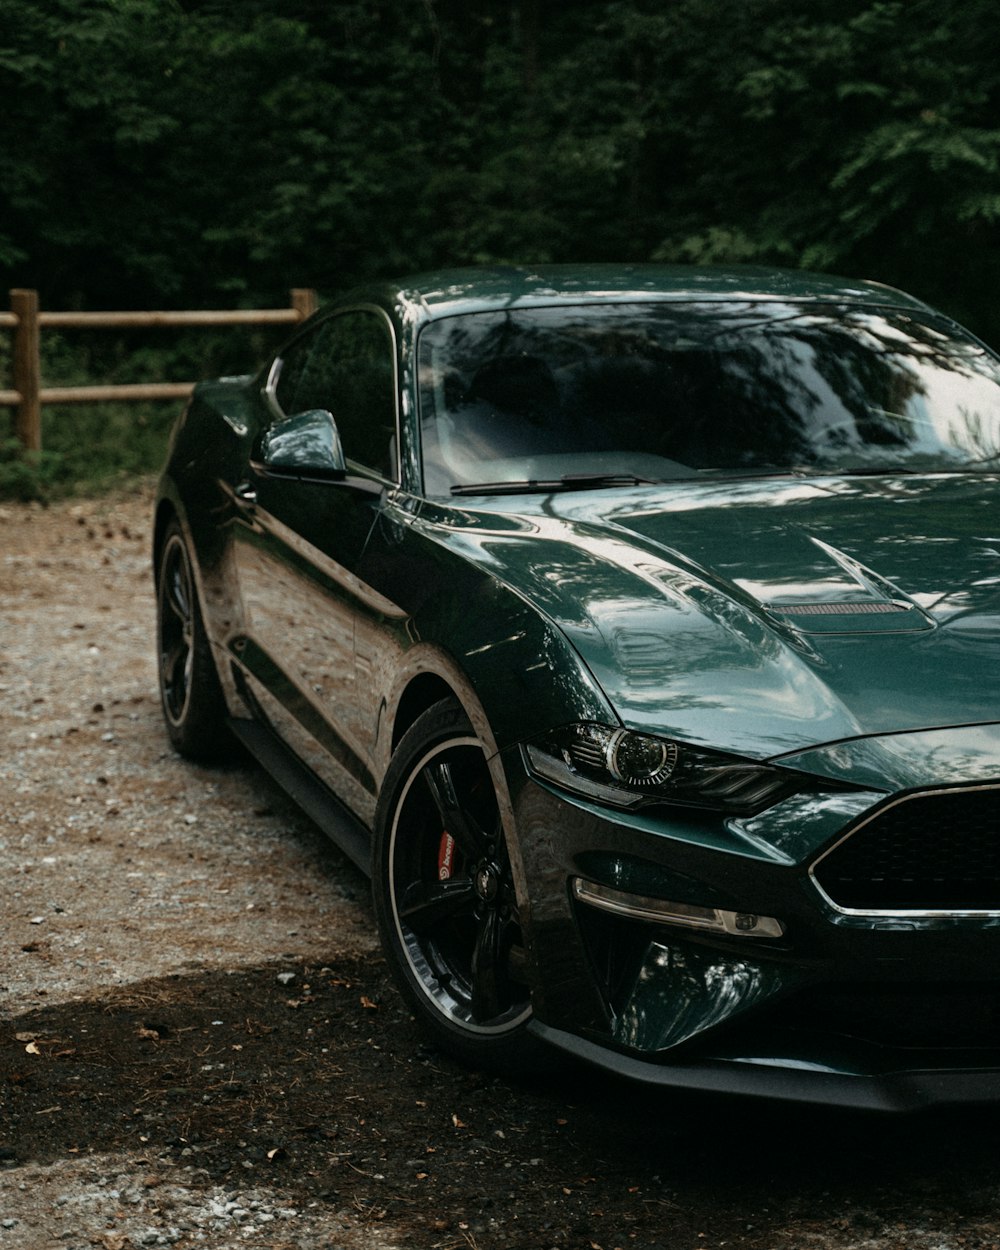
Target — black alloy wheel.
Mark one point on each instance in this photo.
(193, 704)
(444, 894)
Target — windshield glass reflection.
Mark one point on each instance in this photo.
(664, 391)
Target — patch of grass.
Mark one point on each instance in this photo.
(101, 446)
(27, 475)
(87, 450)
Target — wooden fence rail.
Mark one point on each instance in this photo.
(26, 322)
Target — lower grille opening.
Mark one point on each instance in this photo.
(902, 1017)
(927, 852)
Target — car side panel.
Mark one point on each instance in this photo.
(207, 458)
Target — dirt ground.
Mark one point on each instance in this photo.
(199, 1046)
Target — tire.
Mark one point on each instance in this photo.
(444, 896)
(193, 704)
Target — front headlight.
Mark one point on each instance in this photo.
(629, 770)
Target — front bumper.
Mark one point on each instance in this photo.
(877, 1012)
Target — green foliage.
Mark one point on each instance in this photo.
(87, 448)
(98, 446)
(862, 138)
(196, 152)
(185, 151)
(27, 475)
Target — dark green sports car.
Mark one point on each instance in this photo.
(638, 630)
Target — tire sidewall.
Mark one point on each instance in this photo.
(199, 731)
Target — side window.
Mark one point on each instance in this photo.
(349, 371)
(293, 362)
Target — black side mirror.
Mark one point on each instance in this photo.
(306, 445)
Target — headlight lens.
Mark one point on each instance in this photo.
(639, 760)
(629, 770)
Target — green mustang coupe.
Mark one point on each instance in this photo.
(637, 629)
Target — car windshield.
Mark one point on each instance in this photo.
(613, 393)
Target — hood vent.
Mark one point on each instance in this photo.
(865, 616)
(840, 609)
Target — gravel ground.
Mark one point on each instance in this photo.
(123, 863)
(187, 868)
(199, 1046)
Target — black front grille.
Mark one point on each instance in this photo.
(928, 1016)
(927, 852)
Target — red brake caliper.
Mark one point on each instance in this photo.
(446, 854)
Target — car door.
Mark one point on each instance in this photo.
(299, 542)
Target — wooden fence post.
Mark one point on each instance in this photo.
(303, 300)
(27, 369)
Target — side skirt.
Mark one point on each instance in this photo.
(318, 803)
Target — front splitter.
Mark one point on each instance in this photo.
(787, 1081)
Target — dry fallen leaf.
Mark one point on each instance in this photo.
(32, 1049)
(458, 1123)
(367, 1003)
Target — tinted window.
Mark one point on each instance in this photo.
(293, 361)
(670, 390)
(346, 367)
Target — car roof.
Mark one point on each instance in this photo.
(446, 292)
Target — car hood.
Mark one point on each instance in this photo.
(765, 616)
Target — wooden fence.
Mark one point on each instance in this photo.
(26, 322)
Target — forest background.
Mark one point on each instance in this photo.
(215, 153)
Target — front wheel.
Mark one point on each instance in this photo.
(444, 894)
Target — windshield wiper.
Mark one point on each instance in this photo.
(877, 470)
(930, 470)
(568, 481)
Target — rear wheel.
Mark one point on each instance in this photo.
(193, 704)
(444, 894)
